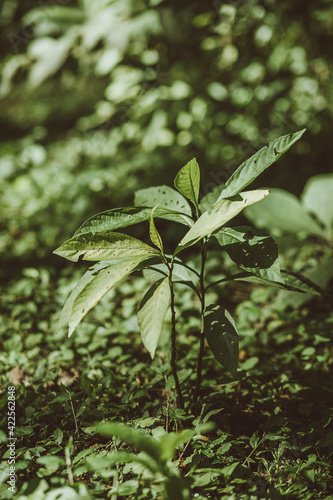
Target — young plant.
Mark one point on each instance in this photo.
(118, 254)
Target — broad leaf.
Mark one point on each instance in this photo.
(104, 246)
(84, 281)
(92, 287)
(187, 181)
(317, 197)
(153, 233)
(152, 311)
(254, 166)
(222, 212)
(114, 219)
(283, 211)
(222, 337)
(251, 252)
(175, 206)
(127, 216)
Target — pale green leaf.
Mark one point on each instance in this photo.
(84, 281)
(187, 181)
(222, 337)
(133, 437)
(283, 211)
(153, 233)
(103, 246)
(222, 212)
(152, 311)
(175, 206)
(251, 252)
(317, 198)
(254, 166)
(172, 440)
(106, 279)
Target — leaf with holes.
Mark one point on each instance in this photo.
(104, 246)
(187, 181)
(251, 252)
(114, 219)
(222, 212)
(152, 311)
(222, 337)
(254, 166)
(171, 205)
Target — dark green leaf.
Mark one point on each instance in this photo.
(222, 337)
(251, 252)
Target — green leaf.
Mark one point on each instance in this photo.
(317, 198)
(104, 246)
(222, 211)
(292, 219)
(153, 233)
(222, 337)
(175, 206)
(134, 437)
(171, 441)
(84, 281)
(294, 282)
(210, 198)
(251, 252)
(98, 462)
(254, 166)
(84, 298)
(114, 219)
(152, 311)
(187, 181)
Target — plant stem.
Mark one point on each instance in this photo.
(202, 333)
(173, 341)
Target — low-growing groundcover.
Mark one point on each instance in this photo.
(265, 434)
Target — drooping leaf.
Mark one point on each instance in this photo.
(317, 198)
(254, 166)
(152, 311)
(320, 275)
(175, 206)
(222, 337)
(222, 212)
(104, 246)
(84, 281)
(187, 181)
(153, 233)
(294, 282)
(83, 299)
(251, 252)
(282, 210)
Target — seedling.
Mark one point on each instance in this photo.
(119, 254)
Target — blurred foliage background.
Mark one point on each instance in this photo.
(103, 97)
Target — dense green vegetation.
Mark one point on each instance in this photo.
(99, 99)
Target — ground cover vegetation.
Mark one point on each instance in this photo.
(100, 99)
